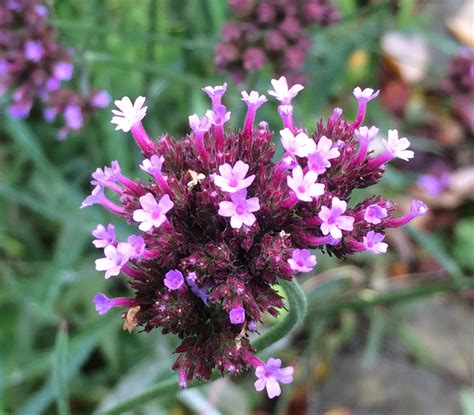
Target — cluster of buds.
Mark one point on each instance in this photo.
(220, 222)
(460, 86)
(270, 31)
(33, 66)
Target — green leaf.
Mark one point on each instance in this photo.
(60, 378)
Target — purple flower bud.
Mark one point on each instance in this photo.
(73, 117)
(100, 99)
(33, 50)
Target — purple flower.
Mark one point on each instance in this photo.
(218, 115)
(19, 109)
(270, 375)
(397, 147)
(41, 10)
(128, 114)
(254, 59)
(237, 315)
(373, 242)
(53, 84)
(366, 134)
(100, 99)
(49, 114)
(105, 236)
(96, 197)
(73, 117)
(374, 214)
(216, 93)
(302, 261)
(281, 91)
(418, 208)
(153, 165)
(174, 280)
(137, 244)
(254, 99)
(232, 179)
(115, 259)
(366, 95)
(63, 71)
(33, 50)
(333, 220)
(300, 145)
(199, 125)
(240, 209)
(152, 214)
(319, 159)
(102, 303)
(305, 186)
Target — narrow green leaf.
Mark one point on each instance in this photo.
(60, 378)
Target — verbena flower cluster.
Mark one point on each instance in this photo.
(33, 66)
(220, 222)
(460, 86)
(270, 31)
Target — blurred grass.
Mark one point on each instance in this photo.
(57, 355)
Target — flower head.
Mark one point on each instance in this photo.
(373, 242)
(282, 92)
(240, 209)
(366, 95)
(153, 213)
(302, 261)
(397, 147)
(174, 279)
(270, 375)
(304, 185)
(128, 114)
(237, 315)
(232, 179)
(333, 220)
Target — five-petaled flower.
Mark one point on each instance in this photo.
(152, 214)
(115, 259)
(374, 214)
(232, 179)
(300, 145)
(128, 114)
(302, 260)
(318, 160)
(333, 220)
(397, 147)
(281, 91)
(270, 375)
(304, 185)
(365, 95)
(239, 209)
(254, 99)
(105, 236)
(373, 242)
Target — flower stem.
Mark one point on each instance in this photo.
(297, 308)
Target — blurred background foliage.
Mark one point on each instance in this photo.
(373, 343)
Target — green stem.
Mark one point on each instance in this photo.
(297, 308)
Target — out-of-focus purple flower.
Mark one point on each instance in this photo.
(174, 279)
(101, 99)
(270, 375)
(254, 59)
(73, 117)
(63, 71)
(33, 50)
(19, 109)
(302, 261)
(237, 315)
(49, 114)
